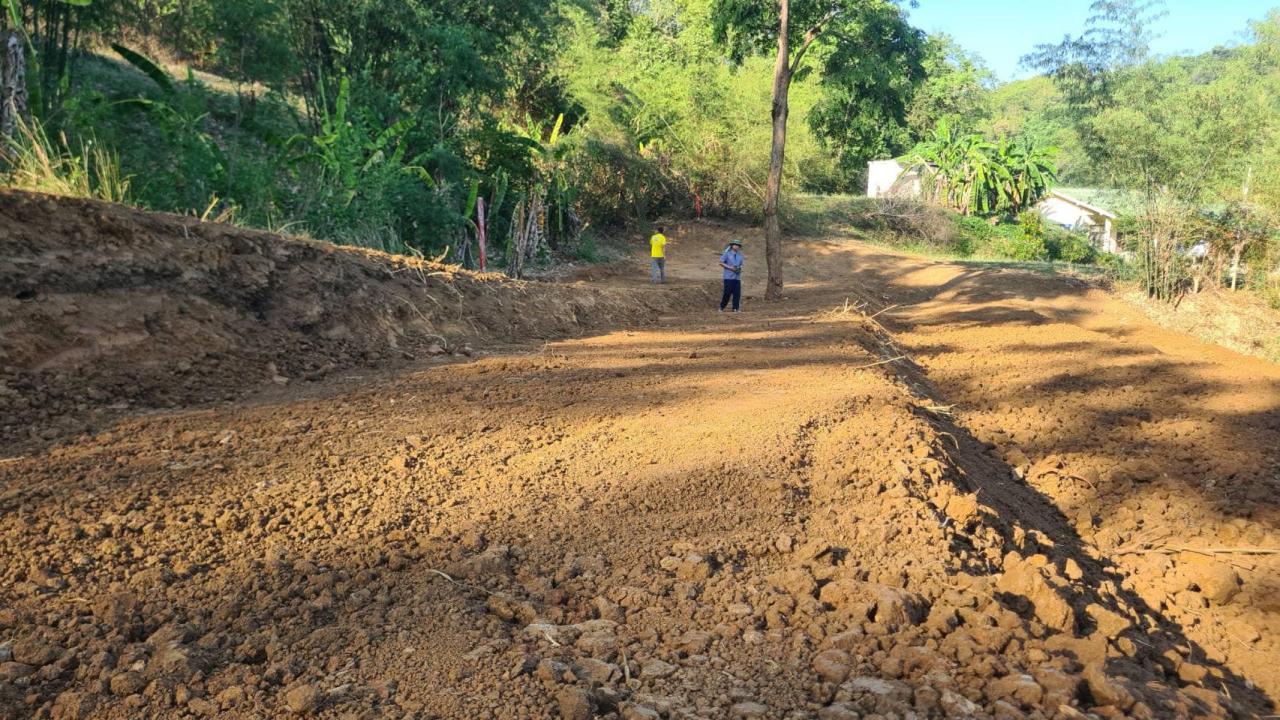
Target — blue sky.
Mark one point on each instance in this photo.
(1002, 31)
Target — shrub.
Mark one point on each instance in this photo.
(977, 235)
(1128, 229)
(586, 249)
(616, 185)
(31, 160)
(1031, 222)
(1111, 261)
(932, 227)
(1016, 244)
(1024, 248)
(1271, 292)
(1069, 246)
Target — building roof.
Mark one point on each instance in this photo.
(1106, 201)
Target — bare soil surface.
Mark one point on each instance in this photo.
(1004, 497)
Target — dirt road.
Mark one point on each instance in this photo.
(747, 516)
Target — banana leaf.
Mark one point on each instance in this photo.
(146, 65)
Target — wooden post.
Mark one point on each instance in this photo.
(482, 235)
(13, 83)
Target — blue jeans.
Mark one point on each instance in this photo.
(732, 289)
(658, 270)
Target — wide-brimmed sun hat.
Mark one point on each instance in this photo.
(735, 242)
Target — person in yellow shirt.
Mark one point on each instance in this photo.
(658, 253)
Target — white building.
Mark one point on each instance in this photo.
(1071, 213)
(891, 179)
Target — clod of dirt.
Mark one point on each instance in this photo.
(575, 704)
(1030, 586)
(303, 700)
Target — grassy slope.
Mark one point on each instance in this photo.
(170, 155)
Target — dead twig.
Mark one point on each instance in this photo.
(882, 362)
(847, 309)
(465, 586)
(881, 311)
(1081, 479)
(1133, 549)
(626, 670)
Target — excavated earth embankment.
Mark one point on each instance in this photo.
(104, 309)
(766, 515)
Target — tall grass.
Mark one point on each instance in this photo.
(31, 160)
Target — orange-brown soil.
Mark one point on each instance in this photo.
(1003, 496)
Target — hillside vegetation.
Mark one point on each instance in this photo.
(532, 128)
(380, 124)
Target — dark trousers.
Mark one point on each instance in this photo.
(732, 289)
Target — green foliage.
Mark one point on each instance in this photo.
(1031, 223)
(1118, 36)
(867, 57)
(54, 31)
(979, 236)
(956, 89)
(665, 120)
(31, 160)
(1072, 247)
(146, 65)
(1271, 293)
(1016, 244)
(358, 188)
(1114, 263)
(1178, 131)
(586, 249)
(253, 41)
(193, 171)
(976, 176)
(870, 72)
(1035, 110)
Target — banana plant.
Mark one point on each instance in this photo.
(346, 150)
(179, 113)
(56, 46)
(1031, 171)
(976, 176)
(556, 194)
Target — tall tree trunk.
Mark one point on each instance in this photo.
(13, 84)
(1236, 251)
(1241, 239)
(773, 188)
